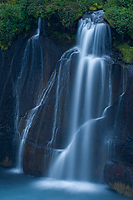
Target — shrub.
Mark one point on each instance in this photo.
(127, 52)
(13, 19)
(120, 16)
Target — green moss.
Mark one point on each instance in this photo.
(100, 7)
(127, 52)
(5, 46)
(92, 8)
(130, 33)
(67, 11)
(96, 6)
(58, 33)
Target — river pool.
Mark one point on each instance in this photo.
(16, 186)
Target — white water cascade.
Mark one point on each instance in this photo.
(91, 96)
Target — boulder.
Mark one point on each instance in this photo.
(119, 176)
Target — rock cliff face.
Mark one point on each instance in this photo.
(118, 172)
(8, 74)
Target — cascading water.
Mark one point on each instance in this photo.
(86, 100)
(62, 85)
(111, 138)
(90, 98)
(29, 91)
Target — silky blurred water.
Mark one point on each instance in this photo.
(16, 186)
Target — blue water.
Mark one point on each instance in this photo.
(14, 186)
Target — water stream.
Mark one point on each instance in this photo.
(21, 187)
(29, 89)
(91, 96)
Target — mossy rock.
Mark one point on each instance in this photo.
(100, 7)
(5, 46)
(127, 52)
(92, 8)
(59, 34)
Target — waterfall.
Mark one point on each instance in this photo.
(90, 97)
(38, 29)
(62, 85)
(111, 138)
(29, 90)
(86, 98)
(31, 116)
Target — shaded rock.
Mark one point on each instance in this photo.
(118, 81)
(119, 176)
(36, 158)
(9, 69)
(119, 119)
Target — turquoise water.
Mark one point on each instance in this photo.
(14, 186)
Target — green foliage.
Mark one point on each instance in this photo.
(92, 8)
(13, 19)
(72, 12)
(17, 16)
(119, 14)
(66, 11)
(3, 1)
(95, 5)
(127, 52)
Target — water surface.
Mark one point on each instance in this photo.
(16, 186)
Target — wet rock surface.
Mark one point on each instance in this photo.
(10, 70)
(119, 176)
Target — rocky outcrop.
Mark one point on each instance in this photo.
(8, 73)
(11, 63)
(118, 174)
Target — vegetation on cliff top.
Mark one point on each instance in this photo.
(119, 14)
(18, 15)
